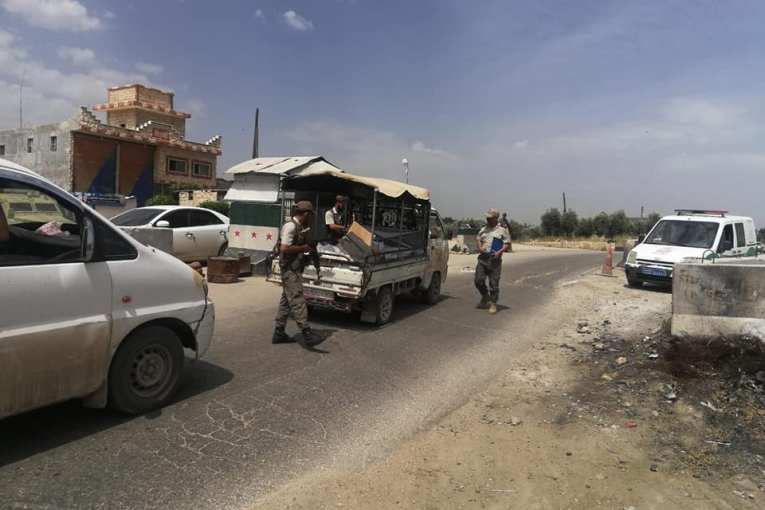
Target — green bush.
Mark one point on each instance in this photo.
(162, 200)
(220, 207)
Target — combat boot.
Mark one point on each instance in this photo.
(309, 338)
(280, 336)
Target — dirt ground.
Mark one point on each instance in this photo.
(609, 412)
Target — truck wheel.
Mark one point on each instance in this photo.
(384, 305)
(433, 294)
(146, 370)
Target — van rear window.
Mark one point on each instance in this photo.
(691, 234)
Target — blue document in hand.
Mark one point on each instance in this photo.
(497, 244)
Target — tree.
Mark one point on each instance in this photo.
(601, 224)
(221, 207)
(551, 222)
(162, 200)
(533, 232)
(585, 227)
(517, 230)
(618, 223)
(568, 222)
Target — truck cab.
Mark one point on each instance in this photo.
(689, 235)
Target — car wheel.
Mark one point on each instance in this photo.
(223, 249)
(433, 294)
(145, 372)
(384, 304)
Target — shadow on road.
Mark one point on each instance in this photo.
(406, 306)
(47, 428)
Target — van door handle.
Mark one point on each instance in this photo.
(222, 232)
(190, 235)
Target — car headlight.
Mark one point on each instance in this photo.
(632, 258)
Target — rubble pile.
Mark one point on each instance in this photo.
(702, 402)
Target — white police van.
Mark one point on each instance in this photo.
(689, 235)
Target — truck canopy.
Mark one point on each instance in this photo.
(336, 181)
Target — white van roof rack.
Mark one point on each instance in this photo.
(700, 212)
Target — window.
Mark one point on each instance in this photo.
(201, 169)
(692, 234)
(436, 229)
(30, 143)
(177, 219)
(726, 241)
(137, 217)
(36, 228)
(177, 166)
(110, 245)
(740, 236)
(53, 143)
(2, 150)
(200, 218)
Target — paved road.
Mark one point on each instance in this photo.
(253, 415)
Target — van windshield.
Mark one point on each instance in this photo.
(692, 234)
(137, 217)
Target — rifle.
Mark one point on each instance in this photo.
(316, 258)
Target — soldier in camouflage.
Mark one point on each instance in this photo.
(293, 247)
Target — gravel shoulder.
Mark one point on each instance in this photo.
(605, 412)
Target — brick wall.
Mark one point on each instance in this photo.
(123, 94)
(178, 124)
(155, 96)
(93, 160)
(160, 166)
(120, 117)
(135, 159)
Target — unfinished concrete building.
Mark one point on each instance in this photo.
(140, 150)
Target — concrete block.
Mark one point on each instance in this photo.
(722, 299)
(160, 238)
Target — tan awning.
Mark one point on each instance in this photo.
(390, 188)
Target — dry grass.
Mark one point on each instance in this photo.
(579, 243)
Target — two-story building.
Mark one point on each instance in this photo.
(140, 150)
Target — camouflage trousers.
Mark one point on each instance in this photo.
(292, 301)
(491, 270)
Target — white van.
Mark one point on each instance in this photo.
(85, 310)
(689, 235)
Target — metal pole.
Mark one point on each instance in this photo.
(401, 223)
(256, 135)
(405, 164)
(374, 213)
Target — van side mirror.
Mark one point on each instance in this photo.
(89, 236)
(162, 224)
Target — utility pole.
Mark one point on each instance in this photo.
(642, 209)
(405, 164)
(256, 135)
(21, 99)
(564, 201)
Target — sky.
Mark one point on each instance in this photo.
(495, 103)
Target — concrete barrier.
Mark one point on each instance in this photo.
(722, 299)
(159, 238)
